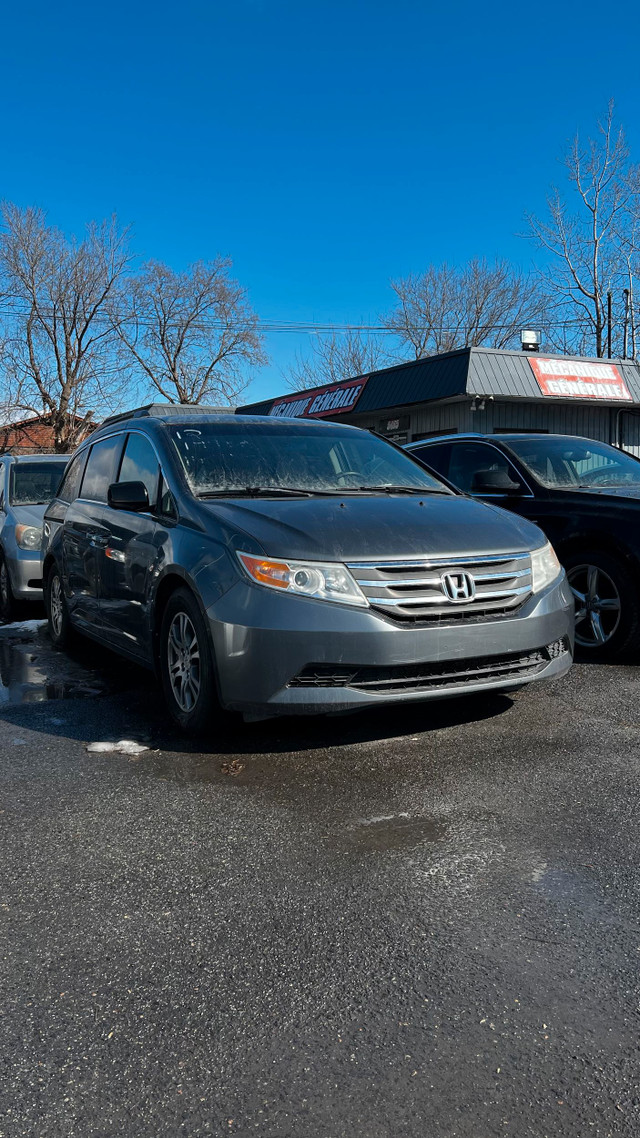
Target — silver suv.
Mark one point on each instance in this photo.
(27, 485)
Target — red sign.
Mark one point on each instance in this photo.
(578, 380)
(335, 399)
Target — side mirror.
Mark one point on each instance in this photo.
(128, 496)
(494, 482)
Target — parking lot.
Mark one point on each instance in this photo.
(412, 921)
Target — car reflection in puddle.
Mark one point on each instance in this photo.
(33, 671)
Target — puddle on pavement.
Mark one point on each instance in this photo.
(395, 832)
(33, 671)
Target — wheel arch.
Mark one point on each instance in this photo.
(173, 579)
(597, 541)
(46, 566)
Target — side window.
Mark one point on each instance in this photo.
(2, 474)
(436, 456)
(101, 468)
(166, 505)
(70, 485)
(467, 459)
(141, 465)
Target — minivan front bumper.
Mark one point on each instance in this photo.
(282, 654)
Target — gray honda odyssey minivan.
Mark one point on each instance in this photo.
(284, 565)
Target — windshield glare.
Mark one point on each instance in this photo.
(35, 483)
(576, 463)
(221, 458)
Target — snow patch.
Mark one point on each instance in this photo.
(122, 747)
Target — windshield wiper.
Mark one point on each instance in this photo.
(269, 491)
(390, 489)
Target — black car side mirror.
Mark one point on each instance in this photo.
(494, 482)
(128, 496)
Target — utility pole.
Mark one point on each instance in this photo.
(625, 293)
(609, 325)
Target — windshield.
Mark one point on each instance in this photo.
(260, 457)
(35, 483)
(576, 463)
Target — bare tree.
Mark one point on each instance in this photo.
(445, 308)
(591, 239)
(337, 356)
(192, 333)
(56, 347)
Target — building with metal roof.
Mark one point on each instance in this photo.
(481, 389)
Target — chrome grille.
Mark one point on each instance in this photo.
(420, 589)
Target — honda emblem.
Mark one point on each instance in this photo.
(458, 587)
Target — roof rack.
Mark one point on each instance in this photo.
(167, 410)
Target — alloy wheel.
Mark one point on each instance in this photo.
(598, 605)
(56, 609)
(183, 660)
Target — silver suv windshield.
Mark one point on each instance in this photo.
(576, 463)
(35, 483)
(255, 458)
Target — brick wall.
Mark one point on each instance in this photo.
(31, 436)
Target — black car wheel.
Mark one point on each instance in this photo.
(55, 604)
(607, 604)
(7, 599)
(186, 665)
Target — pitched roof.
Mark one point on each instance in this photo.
(467, 371)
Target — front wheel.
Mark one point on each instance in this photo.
(607, 604)
(7, 599)
(186, 665)
(55, 604)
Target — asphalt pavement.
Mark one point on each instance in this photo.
(420, 922)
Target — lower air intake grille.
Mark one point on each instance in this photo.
(424, 677)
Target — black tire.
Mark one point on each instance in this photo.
(187, 669)
(55, 604)
(7, 599)
(607, 594)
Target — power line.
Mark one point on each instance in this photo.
(311, 327)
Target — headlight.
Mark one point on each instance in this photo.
(545, 567)
(325, 582)
(28, 537)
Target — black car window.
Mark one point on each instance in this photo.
(436, 456)
(70, 485)
(468, 459)
(572, 462)
(140, 464)
(35, 483)
(101, 468)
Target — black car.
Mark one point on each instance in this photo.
(585, 495)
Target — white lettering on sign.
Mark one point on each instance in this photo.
(333, 400)
(576, 379)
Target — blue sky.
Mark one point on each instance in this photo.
(325, 147)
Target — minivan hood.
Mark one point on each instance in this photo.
(356, 528)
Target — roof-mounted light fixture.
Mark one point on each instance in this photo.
(530, 340)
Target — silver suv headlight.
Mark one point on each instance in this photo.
(318, 579)
(28, 537)
(545, 567)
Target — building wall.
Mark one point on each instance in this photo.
(606, 424)
(32, 436)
